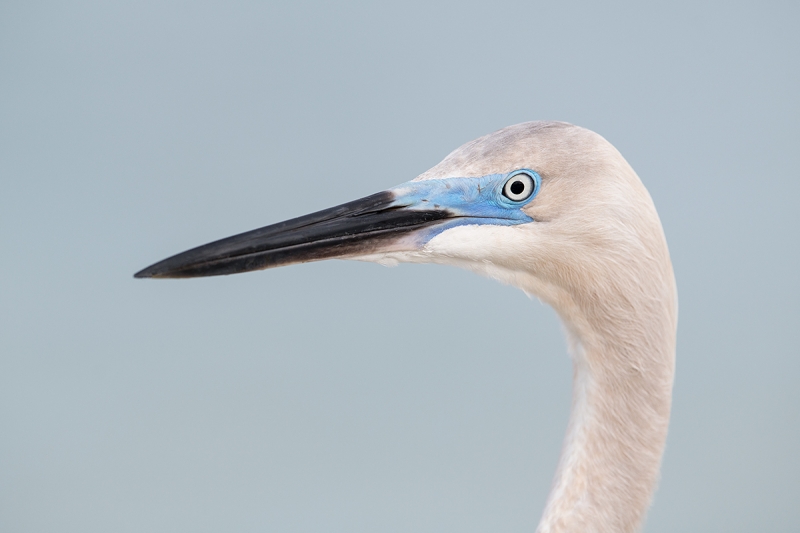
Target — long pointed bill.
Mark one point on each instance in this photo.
(355, 228)
(374, 224)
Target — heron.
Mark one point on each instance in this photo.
(556, 211)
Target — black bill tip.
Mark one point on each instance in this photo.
(145, 273)
(153, 271)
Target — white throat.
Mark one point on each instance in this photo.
(613, 447)
(623, 352)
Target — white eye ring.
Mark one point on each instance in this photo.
(519, 187)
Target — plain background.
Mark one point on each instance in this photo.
(342, 396)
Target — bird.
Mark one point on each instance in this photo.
(552, 209)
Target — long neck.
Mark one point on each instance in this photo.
(622, 386)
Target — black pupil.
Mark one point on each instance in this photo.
(517, 187)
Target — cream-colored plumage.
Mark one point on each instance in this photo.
(590, 244)
(597, 254)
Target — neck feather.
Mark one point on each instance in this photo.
(623, 352)
(623, 367)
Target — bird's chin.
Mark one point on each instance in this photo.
(392, 259)
(410, 248)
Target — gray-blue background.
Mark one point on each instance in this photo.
(344, 396)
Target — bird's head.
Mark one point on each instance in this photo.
(549, 207)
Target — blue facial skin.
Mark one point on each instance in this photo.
(471, 201)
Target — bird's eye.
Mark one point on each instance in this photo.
(519, 187)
